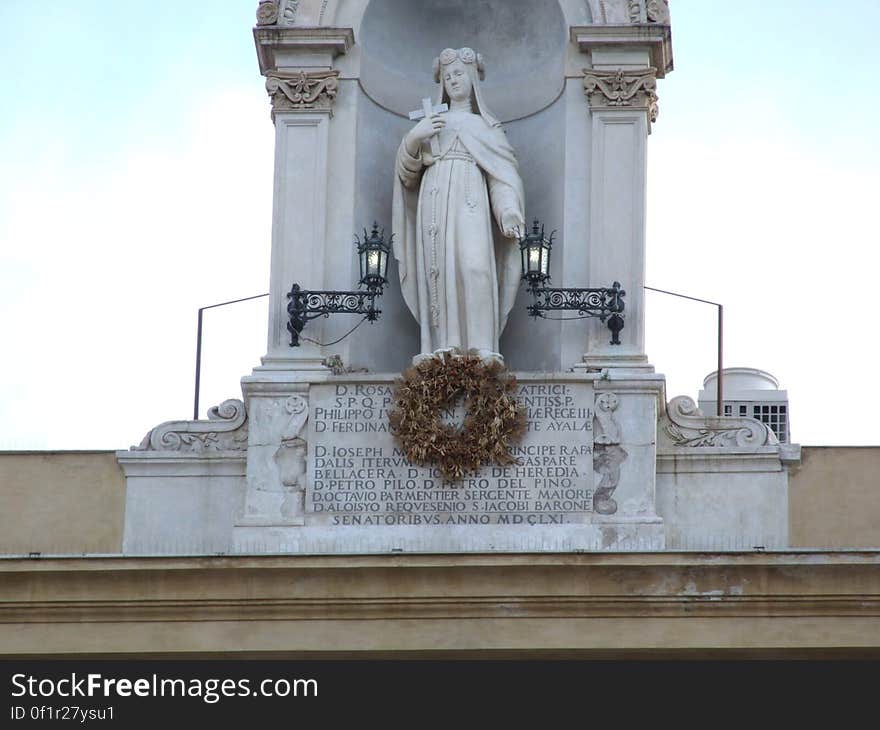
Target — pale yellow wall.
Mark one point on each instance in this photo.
(74, 502)
(61, 502)
(834, 497)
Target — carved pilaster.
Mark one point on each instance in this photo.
(302, 91)
(608, 455)
(276, 470)
(623, 89)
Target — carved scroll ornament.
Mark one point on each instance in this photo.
(225, 430)
(267, 12)
(658, 11)
(685, 425)
(615, 12)
(622, 12)
(303, 90)
(623, 89)
(277, 12)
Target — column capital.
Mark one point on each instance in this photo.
(302, 90)
(623, 90)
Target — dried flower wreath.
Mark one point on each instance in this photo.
(494, 422)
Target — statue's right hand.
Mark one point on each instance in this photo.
(426, 129)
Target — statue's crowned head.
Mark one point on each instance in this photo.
(472, 60)
(472, 63)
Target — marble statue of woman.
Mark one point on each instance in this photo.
(456, 216)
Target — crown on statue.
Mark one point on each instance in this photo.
(465, 55)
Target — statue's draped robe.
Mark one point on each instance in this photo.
(458, 274)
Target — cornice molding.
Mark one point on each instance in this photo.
(275, 44)
(658, 39)
(427, 588)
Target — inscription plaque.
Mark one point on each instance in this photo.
(358, 476)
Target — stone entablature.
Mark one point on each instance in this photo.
(285, 48)
(601, 40)
(520, 604)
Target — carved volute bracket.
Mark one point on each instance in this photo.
(619, 12)
(658, 11)
(623, 89)
(267, 12)
(277, 12)
(289, 13)
(302, 91)
(685, 425)
(225, 430)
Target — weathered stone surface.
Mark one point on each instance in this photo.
(358, 476)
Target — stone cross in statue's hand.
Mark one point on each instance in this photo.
(426, 111)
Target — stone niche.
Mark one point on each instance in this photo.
(522, 41)
(524, 44)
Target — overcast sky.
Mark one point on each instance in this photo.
(136, 183)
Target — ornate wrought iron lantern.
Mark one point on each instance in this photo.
(373, 253)
(606, 303)
(535, 252)
(306, 304)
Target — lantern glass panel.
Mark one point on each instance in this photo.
(383, 264)
(535, 259)
(374, 261)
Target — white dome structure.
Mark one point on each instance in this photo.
(749, 392)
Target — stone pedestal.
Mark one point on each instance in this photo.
(325, 474)
(184, 484)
